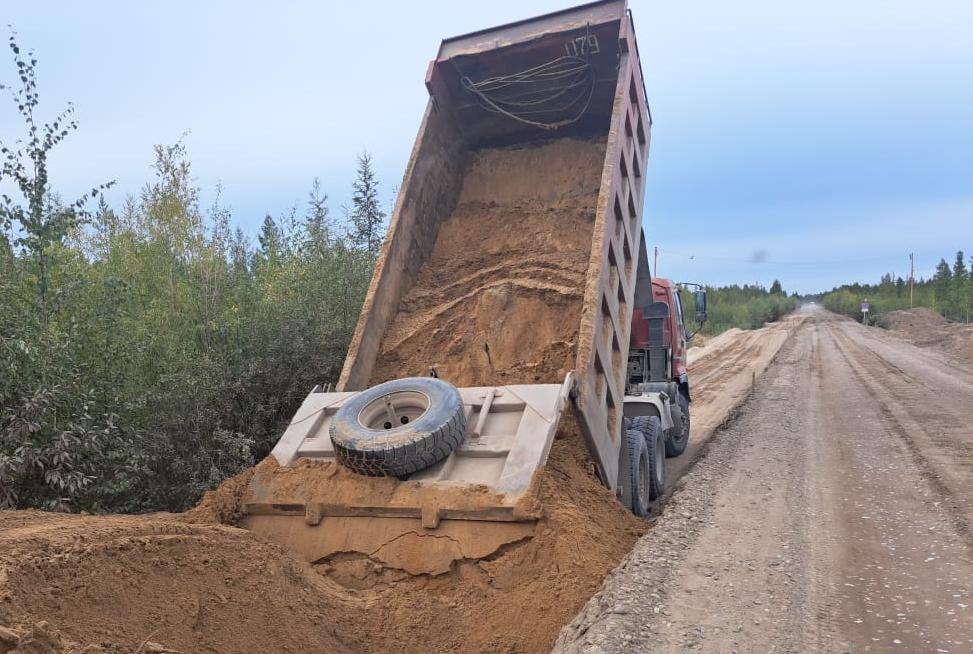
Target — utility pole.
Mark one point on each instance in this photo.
(655, 261)
(912, 274)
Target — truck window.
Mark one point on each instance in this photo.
(677, 303)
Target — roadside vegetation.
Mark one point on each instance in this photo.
(949, 292)
(743, 307)
(148, 351)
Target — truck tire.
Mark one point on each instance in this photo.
(655, 441)
(399, 427)
(679, 438)
(635, 472)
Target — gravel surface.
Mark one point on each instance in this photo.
(833, 514)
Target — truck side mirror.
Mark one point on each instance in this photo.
(699, 298)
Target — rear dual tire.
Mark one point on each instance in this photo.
(643, 477)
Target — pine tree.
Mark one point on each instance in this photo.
(367, 217)
(776, 288)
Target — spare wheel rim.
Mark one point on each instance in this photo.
(393, 410)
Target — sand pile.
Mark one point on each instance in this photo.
(927, 328)
(515, 601)
(499, 300)
(915, 320)
(116, 583)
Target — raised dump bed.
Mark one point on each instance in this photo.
(508, 271)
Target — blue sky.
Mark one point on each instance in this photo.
(815, 142)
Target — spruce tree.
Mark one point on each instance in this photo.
(942, 281)
(959, 267)
(959, 299)
(367, 217)
(317, 223)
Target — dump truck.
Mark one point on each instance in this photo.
(545, 118)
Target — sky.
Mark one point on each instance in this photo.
(812, 142)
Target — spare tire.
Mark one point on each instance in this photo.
(399, 427)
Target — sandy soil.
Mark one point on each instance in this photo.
(927, 329)
(832, 515)
(116, 582)
(499, 300)
(722, 372)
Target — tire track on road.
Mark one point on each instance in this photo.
(900, 421)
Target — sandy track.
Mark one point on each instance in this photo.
(830, 516)
(722, 374)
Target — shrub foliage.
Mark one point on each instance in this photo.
(148, 352)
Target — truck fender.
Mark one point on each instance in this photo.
(650, 404)
(684, 386)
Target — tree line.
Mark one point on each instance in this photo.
(745, 307)
(150, 350)
(949, 291)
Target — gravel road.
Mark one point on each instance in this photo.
(833, 514)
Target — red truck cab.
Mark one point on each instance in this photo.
(659, 338)
(675, 334)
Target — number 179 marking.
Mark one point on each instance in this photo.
(582, 45)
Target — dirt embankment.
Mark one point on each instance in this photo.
(499, 301)
(926, 328)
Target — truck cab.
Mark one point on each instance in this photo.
(657, 388)
(675, 335)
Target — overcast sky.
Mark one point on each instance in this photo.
(815, 142)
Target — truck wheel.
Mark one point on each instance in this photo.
(655, 440)
(679, 439)
(399, 427)
(635, 473)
